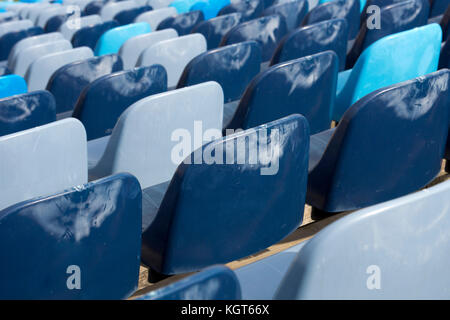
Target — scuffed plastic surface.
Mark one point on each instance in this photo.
(249, 9)
(214, 29)
(293, 12)
(183, 23)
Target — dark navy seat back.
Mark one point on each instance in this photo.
(88, 36)
(68, 82)
(293, 12)
(381, 4)
(26, 111)
(183, 23)
(345, 9)
(306, 86)
(102, 102)
(93, 7)
(249, 9)
(93, 230)
(8, 40)
(444, 58)
(128, 16)
(438, 7)
(394, 18)
(55, 22)
(214, 29)
(233, 67)
(322, 36)
(445, 24)
(401, 158)
(267, 31)
(200, 223)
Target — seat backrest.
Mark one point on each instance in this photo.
(55, 22)
(112, 40)
(94, 7)
(183, 6)
(378, 242)
(224, 65)
(174, 55)
(41, 70)
(214, 29)
(213, 283)
(392, 59)
(8, 16)
(89, 36)
(103, 101)
(26, 111)
(128, 16)
(345, 9)
(48, 13)
(68, 28)
(402, 158)
(381, 4)
(438, 7)
(34, 12)
(158, 4)
(322, 36)
(249, 9)
(154, 17)
(210, 8)
(90, 230)
(231, 223)
(267, 31)
(14, 26)
(110, 9)
(445, 24)
(8, 40)
(394, 18)
(28, 55)
(42, 161)
(444, 58)
(305, 86)
(68, 82)
(183, 23)
(11, 85)
(293, 12)
(133, 48)
(143, 140)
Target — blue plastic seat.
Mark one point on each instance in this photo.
(25, 111)
(102, 102)
(112, 8)
(322, 36)
(112, 40)
(249, 9)
(183, 6)
(444, 58)
(54, 23)
(8, 40)
(92, 229)
(213, 283)
(182, 23)
(227, 230)
(345, 9)
(225, 65)
(88, 36)
(381, 4)
(438, 7)
(293, 12)
(401, 158)
(128, 16)
(68, 82)
(306, 86)
(11, 85)
(154, 17)
(93, 7)
(394, 18)
(214, 29)
(67, 28)
(267, 31)
(210, 8)
(392, 59)
(445, 24)
(8, 16)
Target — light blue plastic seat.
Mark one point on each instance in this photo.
(50, 12)
(293, 12)
(183, 6)
(154, 17)
(8, 16)
(67, 28)
(11, 85)
(14, 26)
(89, 36)
(392, 59)
(110, 9)
(112, 40)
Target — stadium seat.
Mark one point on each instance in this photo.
(174, 55)
(8, 40)
(249, 9)
(91, 231)
(213, 283)
(67, 29)
(11, 85)
(42, 160)
(94, 7)
(305, 86)
(236, 231)
(89, 36)
(401, 158)
(395, 18)
(55, 22)
(210, 8)
(14, 26)
(41, 70)
(7, 16)
(445, 24)
(183, 6)
(102, 102)
(322, 36)
(293, 12)
(128, 16)
(158, 4)
(112, 40)
(26, 111)
(392, 59)
(36, 10)
(111, 9)
(438, 7)
(182, 23)
(133, 48)
(154, 17)
(50, 12)
(142, 141)
(267, 31)
(214, 29)
(67, 83)
(444, 58)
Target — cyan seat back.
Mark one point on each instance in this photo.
(322, 36)
(67, 28)
(210, 8)
(154, 17)
(128, 16)
(91, 231)
(183, 6)
(102, 102)
(11, 85)
(225, 65)
(182, 23)
(293, 12)
(249, 9)
(230, 223)
(214, 29)
(68, 82)
(26, 111)
(8, 40)
(89, 36)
